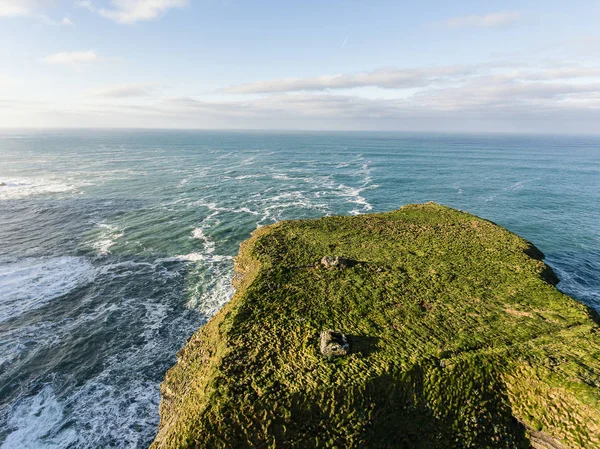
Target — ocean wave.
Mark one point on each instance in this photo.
(214, 207)
(35, 424)
(117, 405)
(241, 177)
(211, 288)
(107, 238)
(354, 195)
(198, 233)
(577, 274)
(24, 187)
(31, 283)
(194, 257)
(208, 255)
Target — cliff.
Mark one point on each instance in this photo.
(457, 338)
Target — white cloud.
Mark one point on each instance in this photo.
(487, 98)
(15, 8)
(71, 57)
(385, 78)
(84, 4)
(6, 82)
(496, 19)
(120, 91)
(523, 96)
(30, 8)
(131, 11)
(469, 108)
(422, 78)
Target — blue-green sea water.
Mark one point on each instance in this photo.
(115, 246)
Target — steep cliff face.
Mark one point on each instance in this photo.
(457, 335)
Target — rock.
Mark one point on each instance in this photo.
(2, 184)
(335, 261)
(334, 344)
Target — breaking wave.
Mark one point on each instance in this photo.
(31, 283)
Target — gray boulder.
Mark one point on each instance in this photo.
(335, 262)
(334, 344)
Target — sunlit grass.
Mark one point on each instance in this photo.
(458, 339)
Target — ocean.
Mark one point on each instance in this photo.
(115, 246)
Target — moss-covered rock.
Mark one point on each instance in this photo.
(458, 338)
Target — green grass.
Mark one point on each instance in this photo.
(458, 339)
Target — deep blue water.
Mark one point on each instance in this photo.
(115, 246)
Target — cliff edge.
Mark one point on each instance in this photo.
(455, 334)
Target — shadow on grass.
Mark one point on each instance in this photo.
(461, 409)
(363, 344)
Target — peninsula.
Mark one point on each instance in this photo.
(451, 334)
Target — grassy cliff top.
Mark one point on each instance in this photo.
(458, 338)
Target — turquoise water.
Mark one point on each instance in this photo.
(115, 246)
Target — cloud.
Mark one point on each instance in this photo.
(7, 82)
(497, 19)
(502, 96)
(120, 91)
(485, 98)
(16, 8)
(556, 108)
(415, 78)
(71, 57)
(30, 8)
(385, 78)
(132, 11)
(489, 97)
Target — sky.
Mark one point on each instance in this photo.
(462, 66)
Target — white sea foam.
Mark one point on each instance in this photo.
(214, 288)
(155, 315)
(354, 195)
(198, 233)
(195, 257)
(248, 176)
(35, 424)
(25, 187)
(117, 407)
(121, 395)
(107, 238)
(207, 255)
(211, 205)
(33, 282)
(574, 282)
(209, 245)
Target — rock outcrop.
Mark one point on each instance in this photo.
(459, 339)
(336, 262)
(334, 344)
